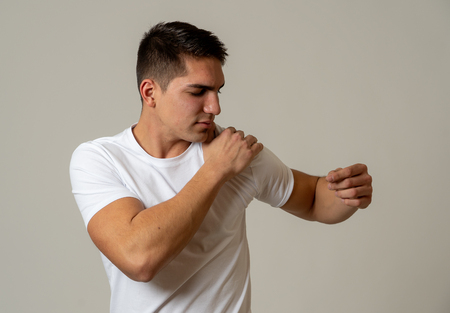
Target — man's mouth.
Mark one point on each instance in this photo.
(206, 123)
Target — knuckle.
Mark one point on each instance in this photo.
(236, 136)
(365, 203)
(260, 147)
(353, 202)
(347, 171)
(347, 183)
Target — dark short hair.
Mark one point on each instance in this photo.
(163, 49)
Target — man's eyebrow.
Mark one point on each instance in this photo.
(200, 86)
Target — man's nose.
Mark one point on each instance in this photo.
(212, 105)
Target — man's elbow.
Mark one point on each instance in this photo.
(143, 276)
(139, 270)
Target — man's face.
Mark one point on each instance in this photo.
(186, 110)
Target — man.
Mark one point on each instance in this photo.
(164, 201)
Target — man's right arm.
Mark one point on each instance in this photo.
(141, 241)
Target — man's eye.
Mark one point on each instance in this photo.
(199, 93)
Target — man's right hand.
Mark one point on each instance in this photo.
(231, 152)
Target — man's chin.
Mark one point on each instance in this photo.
(199, 137)
(205, 135)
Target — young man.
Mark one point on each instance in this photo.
(164, 201)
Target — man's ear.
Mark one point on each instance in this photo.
(148, 90)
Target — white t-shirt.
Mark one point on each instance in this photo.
(211, 274)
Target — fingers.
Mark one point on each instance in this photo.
(234, 131)
(250, 139)
(361, 203)
(353, 185)
(340, 174)
(253, 144)
(231, 151)
(355, 181)
(231, 129)
(256, 148)
(357, 197)
(240, 133)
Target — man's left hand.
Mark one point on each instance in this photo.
(353, 185)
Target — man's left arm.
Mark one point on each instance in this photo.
(331, 199)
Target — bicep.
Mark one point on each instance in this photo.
(301, 201)
(110, 228)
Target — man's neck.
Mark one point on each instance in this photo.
(157, 145)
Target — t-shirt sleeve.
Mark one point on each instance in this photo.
(95, 180)
(274, 180)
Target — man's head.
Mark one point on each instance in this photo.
(163, 49)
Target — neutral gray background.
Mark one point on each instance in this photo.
(324, 84)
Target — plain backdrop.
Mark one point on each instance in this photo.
(323, 84)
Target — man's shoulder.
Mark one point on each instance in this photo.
(120, 139)
(103, 147)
